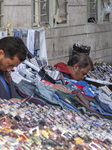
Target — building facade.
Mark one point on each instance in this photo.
(66, 22)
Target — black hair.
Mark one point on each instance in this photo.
(13, 46)
(82, 59)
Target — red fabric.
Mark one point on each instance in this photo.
(62, 67)
(47, 82)
(79, 86)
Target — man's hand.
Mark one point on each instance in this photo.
(61, 88)
(18, 100)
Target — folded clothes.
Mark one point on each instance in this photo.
(33, 100)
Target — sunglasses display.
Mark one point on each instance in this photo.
(101, 73)
(33, 127)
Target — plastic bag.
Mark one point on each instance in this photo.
(107, 9)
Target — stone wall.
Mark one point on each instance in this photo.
(99, 36)
(60, 40)
(18, 12)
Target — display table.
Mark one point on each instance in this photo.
(30, 127)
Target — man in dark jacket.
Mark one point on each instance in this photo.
(12, 52)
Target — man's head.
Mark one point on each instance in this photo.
(79, 66)
(12, 52)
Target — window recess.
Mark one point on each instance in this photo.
(61, 13)
(98, 11)
(51, 13)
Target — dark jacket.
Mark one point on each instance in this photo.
(3, 92)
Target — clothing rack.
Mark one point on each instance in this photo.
(34, 39)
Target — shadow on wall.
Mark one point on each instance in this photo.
(70, 52)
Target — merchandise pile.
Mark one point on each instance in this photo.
(102, 72)
(74, 117)
(26, 126)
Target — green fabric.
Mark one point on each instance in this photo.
(67, 97)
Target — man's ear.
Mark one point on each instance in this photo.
(1, 53)
(76, 67)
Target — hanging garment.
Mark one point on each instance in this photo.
(30, 40)
(37, 43)
(11, 32)
(23, 35)
(3, 34)
(17, 32)
(43, 49)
